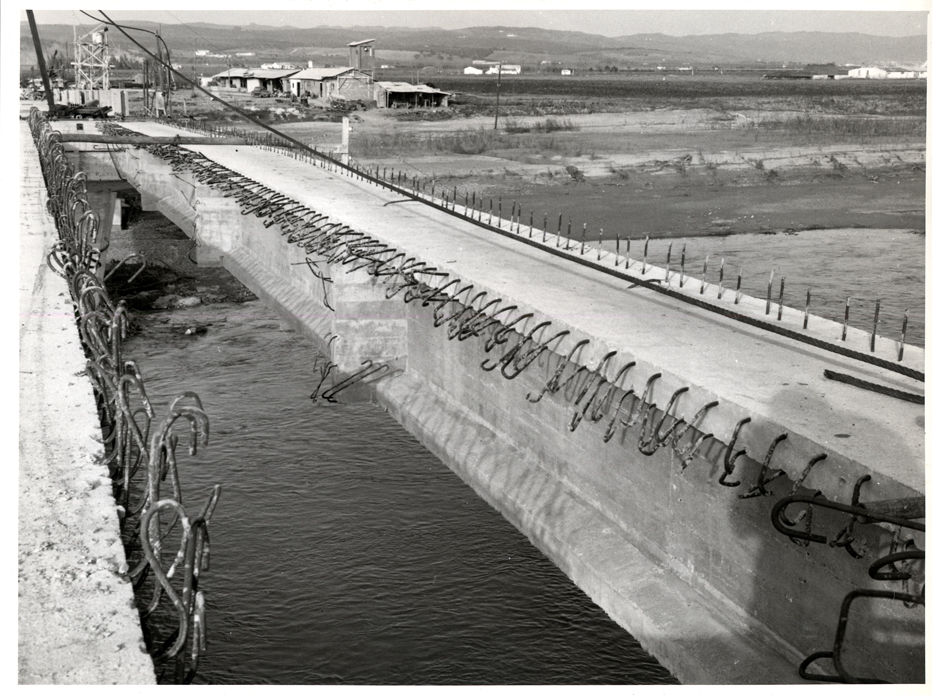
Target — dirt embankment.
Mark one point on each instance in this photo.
(664, 173)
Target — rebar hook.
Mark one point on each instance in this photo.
(649, 445)
(512, 352)
(730, 460)
(552, 384)
(759, 488)
(587, 384)
(532, 355)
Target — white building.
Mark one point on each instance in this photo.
(470, 70)
(506, 69)
(248, 79)
(868, 73)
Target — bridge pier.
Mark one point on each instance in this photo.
(103, 200)
(370, 327)
(216, 229)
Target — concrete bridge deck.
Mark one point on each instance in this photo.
(699, 576)
(717, 358)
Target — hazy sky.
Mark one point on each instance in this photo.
(881, 17)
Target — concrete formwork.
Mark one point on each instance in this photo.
(695, 572)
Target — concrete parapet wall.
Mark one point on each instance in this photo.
(741, 603)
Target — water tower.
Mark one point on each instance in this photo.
(362, 56)
(92, 60)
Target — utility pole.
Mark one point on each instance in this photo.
(41, 59)
(194, 67)
(498, 91)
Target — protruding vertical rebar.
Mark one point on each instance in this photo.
(769, 293)
(705, 268)
(738, 286)
(683, 266)
(454, 199)
(530, 226)
(644, 262)
(876, 318)
(598, 255)
(431, 189)
(519, 219)
(545, 227)
(721, 278)
(499, 212)
(582, 243)
(806, 315)
(617, 248)
(780, 300)
(899, 357)
(844, 327)
(666, 273)
(627, 250)
(511, 227)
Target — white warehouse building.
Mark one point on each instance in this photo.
(868, 73)
(506, 70)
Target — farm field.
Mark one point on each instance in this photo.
(710, 156)
(682, 156)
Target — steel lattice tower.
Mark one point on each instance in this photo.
(92, 60)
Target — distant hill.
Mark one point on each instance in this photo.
(514, 44)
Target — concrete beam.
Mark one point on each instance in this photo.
(140, 140)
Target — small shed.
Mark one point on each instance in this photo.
(470, 70)
(404, 95)
(322, 83)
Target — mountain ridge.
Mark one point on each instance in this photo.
(511, 43)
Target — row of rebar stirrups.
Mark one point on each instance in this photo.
(468, 313)
(167, 546)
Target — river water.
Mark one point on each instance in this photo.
(342, 552)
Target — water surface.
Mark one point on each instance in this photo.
(342, 551)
